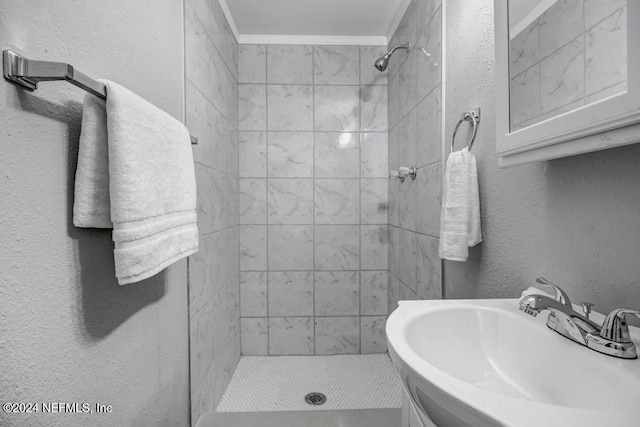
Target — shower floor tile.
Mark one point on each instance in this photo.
(280, 383)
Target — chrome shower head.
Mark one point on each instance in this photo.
(381, 63)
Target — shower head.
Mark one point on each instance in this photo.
(381, 63)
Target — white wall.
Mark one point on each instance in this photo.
(575, 221)
(68, 332)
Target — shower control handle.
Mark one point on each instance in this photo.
(405, 171)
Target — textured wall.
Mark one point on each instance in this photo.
(69, 332)
(573, 220)
(212, 114)
(313, 199)
(564, 59)
(415, 115)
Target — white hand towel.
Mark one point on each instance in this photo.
(136, 175)
(460, 219)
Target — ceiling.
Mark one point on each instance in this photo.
(314, 21)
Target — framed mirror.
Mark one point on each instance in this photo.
(567, 77)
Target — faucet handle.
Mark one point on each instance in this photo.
(586, 308)
(559, 294)
(615, 328)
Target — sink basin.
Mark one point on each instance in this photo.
(485, 363)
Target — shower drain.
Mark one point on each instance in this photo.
(315, 398)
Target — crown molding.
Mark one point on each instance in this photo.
(315, 40)
(312, 40)
(395, 22)
(227, 14)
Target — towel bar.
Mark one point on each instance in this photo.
(28, 73)
(470, 116)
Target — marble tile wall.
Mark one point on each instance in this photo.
(214, 272)
(313, 150)
(572, 55)
(415, 139)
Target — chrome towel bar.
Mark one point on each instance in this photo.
(28, 73)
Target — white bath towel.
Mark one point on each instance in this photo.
(460, 219)
(136, 175)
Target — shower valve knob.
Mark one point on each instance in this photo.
(405, 171)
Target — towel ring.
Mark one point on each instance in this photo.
(474, 118)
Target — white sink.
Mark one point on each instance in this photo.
(484, 363)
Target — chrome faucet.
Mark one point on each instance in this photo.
(611, 338)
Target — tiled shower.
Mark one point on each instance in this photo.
(214, 290)
(295, 179)
(313, 200)
(415, 139)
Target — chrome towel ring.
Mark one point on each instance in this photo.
(470, 116)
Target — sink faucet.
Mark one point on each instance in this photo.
(562, 317)
(611, 338)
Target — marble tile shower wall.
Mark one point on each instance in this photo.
(415, 112)
(572, 55)
(313, 199)
(211, 67)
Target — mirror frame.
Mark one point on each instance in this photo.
(607, 123)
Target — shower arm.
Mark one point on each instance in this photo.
(406, 46)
